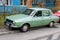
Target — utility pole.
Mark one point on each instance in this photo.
(4, 7)
(4, 11)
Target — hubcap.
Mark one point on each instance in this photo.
(25, 28)
(51, 24)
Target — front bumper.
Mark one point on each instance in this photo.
(10, 25)
(13, 26)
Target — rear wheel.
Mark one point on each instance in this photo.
(52, 24)
(24, 28)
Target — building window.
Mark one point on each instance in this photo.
(23, 2)
(1, 2)
(7, 2)
(35, 3)
(50, 3)
(41, 1)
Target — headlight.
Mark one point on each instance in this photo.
(14, 23)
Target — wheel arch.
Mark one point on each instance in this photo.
(53, 21)
(26, 24)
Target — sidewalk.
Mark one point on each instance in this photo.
(54, 36)
(5, 31)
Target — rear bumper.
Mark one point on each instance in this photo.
(59, 20)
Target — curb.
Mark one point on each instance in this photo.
(9, 32)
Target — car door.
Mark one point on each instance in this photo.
(46, 16)
(38, 19)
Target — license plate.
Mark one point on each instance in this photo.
(7, 24)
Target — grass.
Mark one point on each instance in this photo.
(2, 17)
(2, 20)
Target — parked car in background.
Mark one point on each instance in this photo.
(32, 17)
(58, 14)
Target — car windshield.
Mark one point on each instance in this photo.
(27, 11)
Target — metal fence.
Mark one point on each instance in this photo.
(11, 9)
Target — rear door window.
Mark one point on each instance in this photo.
(46, 13)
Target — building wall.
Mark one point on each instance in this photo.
(54, 4)
(40, 3)
(29, 3)
(57, 5)
(16, 2)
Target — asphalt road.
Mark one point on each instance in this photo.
(33, 33)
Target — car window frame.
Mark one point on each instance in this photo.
(46, 15)
(36, 12)
(29, 13)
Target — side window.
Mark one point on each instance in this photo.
(46, 13)
(39, 13)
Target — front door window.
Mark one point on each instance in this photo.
(38, 14)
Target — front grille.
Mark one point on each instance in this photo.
(9, 21)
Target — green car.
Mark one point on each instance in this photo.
(31, 17)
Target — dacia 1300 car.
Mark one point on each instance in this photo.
(31, 17)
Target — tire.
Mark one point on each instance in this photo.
(51, 24)
(24, 28)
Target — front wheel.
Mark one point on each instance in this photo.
(24, 28)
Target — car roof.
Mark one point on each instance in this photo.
(39, 8)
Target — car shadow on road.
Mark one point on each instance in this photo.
(32, 29)
(41, 27)
(36, 28)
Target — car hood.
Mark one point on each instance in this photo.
(16, 17)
